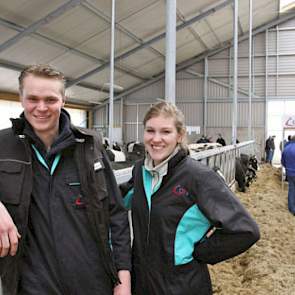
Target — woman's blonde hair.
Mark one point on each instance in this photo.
(169, 110)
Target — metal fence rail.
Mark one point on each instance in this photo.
(223, 158)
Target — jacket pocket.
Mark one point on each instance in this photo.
(11, 180)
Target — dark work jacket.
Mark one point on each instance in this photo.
(187, 183)
(98, 186)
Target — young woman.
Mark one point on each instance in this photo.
(184, 215)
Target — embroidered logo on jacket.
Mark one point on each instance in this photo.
(178, 190)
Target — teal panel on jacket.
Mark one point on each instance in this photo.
(128, 199)
(42, 161)
(191, 228)
(147, 183)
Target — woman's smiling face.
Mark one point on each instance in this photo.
(160, 138)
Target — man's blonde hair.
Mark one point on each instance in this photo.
(44, 71)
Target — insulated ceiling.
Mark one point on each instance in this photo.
(74, 36)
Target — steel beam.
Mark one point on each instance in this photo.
(250, 72)
(188, 63)
(75, 51)
(153, 40)
(220, 83)
(119, 27)
(235, 75)
(266, 84)
(239, 23)
(112, 55)
(170, 61)
(205, 101)
(41, 22)
(18, 67)
(192, 30)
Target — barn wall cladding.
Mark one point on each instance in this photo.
(277, 62)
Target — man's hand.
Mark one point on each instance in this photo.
(125, 287)
(9, 234)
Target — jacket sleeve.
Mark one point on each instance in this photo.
(235, 232)
(119, 225)
(127, 191)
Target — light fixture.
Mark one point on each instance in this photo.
(117, 88)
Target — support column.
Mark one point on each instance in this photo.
(170, 69)
(235, 75)
(266, 85)
(250, 72)
(205, 100)
(111, 101)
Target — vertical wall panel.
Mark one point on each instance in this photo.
(193, 113)
(286, 86)
(259, 85)
(259, 44)
(129, 133)
(287, 41)
(218, 67)
(243, 66)
(272, 42)
(189, 88)
(117, 114)
(156, 90)
(100, 117)
(219, 114)
(217, 91)
(272, 65)
(287, 64)
(271, 89)
(130, 113)
(258, 114)
(244, 48)
(259, 65)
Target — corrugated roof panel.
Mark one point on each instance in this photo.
(6, 34)
(221, 23)
(188, 50)
(25, 12)
(81, 94)
(183, 37)
(191, 8)
(124, 8)
(148, 22)
(140, 58)
(205, 33)
(29, 51)
(75, 26)
(72, 64)
(99, 44)
(151, 67)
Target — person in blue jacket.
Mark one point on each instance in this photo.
(184, 215)
(288, 161)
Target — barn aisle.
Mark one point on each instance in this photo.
(268, 267)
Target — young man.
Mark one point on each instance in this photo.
(63, 229)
